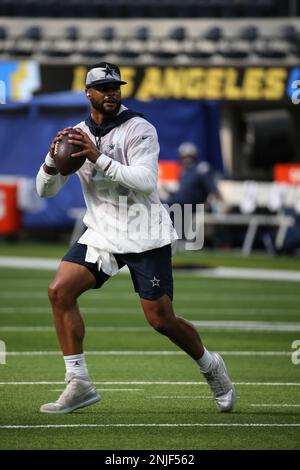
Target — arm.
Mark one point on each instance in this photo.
(48, 180)
(142, 155)
(206, 178)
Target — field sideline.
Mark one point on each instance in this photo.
(152, 394)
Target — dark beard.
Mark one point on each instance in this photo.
(107, 113)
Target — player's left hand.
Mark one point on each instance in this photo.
(89, 149)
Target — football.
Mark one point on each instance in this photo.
(64, 163)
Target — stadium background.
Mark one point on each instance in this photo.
(222, 74)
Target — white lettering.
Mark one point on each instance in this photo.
(296, 354)
(117, 460)
(296, 93)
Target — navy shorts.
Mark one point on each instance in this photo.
(151, 271)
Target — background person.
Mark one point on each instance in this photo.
(197, 180)
(196, 186)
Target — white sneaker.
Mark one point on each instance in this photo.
(222, 387)
(79, 392)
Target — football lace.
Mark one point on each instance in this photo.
(56, 147)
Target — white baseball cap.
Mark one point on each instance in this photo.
(187, 148)
(103, 73)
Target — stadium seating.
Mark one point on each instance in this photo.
(188, 41)
(190, 32)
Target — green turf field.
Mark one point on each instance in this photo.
(152, 395)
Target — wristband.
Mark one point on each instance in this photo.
(49, 161)
(104, 162)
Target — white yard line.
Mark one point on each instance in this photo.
(151, 425)
(180, 397)
(211, 325)
(106, 390)
(272, 384)
(11, 294)
(148, 353)
(92, 295)
(26, 262)
(136, 311)
(275, 405)
(220, 272)
(246, 273)
(45, 329)
(248, 325)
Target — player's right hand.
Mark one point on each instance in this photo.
(57, 139)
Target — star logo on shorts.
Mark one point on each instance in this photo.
(111, 146)
(155, 282)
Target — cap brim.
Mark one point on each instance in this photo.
(105, 81)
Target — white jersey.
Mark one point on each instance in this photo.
(124, 213)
